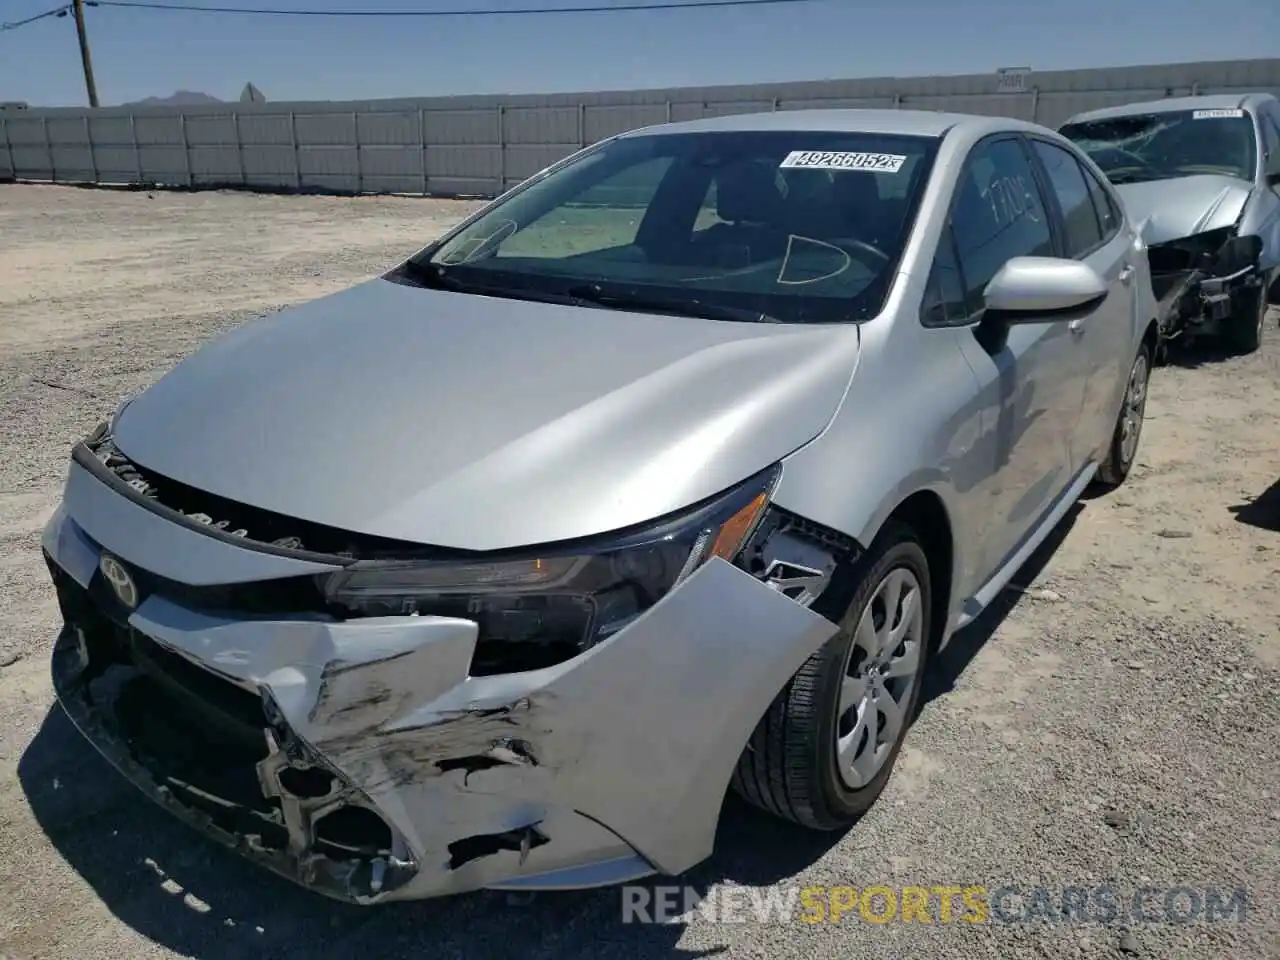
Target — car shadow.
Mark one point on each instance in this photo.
(1194, 355)
(1263, 511)
(193, 897)
(967, 643)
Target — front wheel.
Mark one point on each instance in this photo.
(823, 752)
(1128, 429)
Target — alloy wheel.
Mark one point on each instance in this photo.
(1135, 405)
(880, 677)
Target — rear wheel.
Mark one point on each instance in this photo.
(823, 752)
(1128, 429)
(1248, 317)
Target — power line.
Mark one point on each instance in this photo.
(619, 8)
(55, 12)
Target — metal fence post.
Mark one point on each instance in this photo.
(93, 157)
(897, 101)
(48, 149)
(186, 150)
(1035, 104)
(776, 104)
(582, 125)
(297, 160)
(244, 173)
(355, 133)
(502, 149)
(668, 111)
(137, 152)
(422, 149)
(8, 149)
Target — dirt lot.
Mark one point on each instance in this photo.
(1115, 721)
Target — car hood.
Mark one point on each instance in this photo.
(483, 423)
(1171, 209)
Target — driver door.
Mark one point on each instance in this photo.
(1104, 341)
(1031, 386)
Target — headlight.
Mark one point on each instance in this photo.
(535, 610)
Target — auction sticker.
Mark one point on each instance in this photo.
(839, 160)
(1214, 114)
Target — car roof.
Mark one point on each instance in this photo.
(920, 123)
(1217, 101)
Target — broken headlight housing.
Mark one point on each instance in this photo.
(536, 610)
(1188, 253)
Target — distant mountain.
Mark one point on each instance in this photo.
(182, 98)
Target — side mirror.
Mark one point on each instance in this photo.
(1039, 289)
(1036, 290)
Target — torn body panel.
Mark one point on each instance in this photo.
(1199, 281)
(1212, 242)
(359, 757)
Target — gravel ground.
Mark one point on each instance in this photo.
(1112, 721)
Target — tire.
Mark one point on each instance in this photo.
(790, 766)
(1120, 453)
(1248, 316)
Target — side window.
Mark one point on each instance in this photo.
(944, 301)
(1108, 213)
(1067, 179)
(998, 215)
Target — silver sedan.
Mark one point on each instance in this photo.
(667, 471)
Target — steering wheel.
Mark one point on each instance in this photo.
(864, 252)
(872, 251)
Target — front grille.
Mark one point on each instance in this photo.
(191, 692)
(203, 746)
(292, 595)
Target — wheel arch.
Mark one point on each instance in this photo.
(926, 513)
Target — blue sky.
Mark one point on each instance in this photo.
(138, 53)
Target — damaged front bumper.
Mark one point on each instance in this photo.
(1199, 281)
(359, 757)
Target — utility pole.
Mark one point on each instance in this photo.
(78, 10)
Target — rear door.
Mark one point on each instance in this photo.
(1104, 341)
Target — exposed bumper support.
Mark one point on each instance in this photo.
(1198, 292)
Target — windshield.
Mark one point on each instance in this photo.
(791, 227)
(1161, 146)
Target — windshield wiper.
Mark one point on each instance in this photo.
(593, 293)
(1119, 177)
(432, 276)
(442, 278)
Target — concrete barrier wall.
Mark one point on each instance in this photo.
(480, 145)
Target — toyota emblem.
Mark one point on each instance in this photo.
(122, 584)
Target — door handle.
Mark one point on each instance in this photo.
(1126, 275)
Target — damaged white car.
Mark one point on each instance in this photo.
(668, 470)
(1201, 177)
